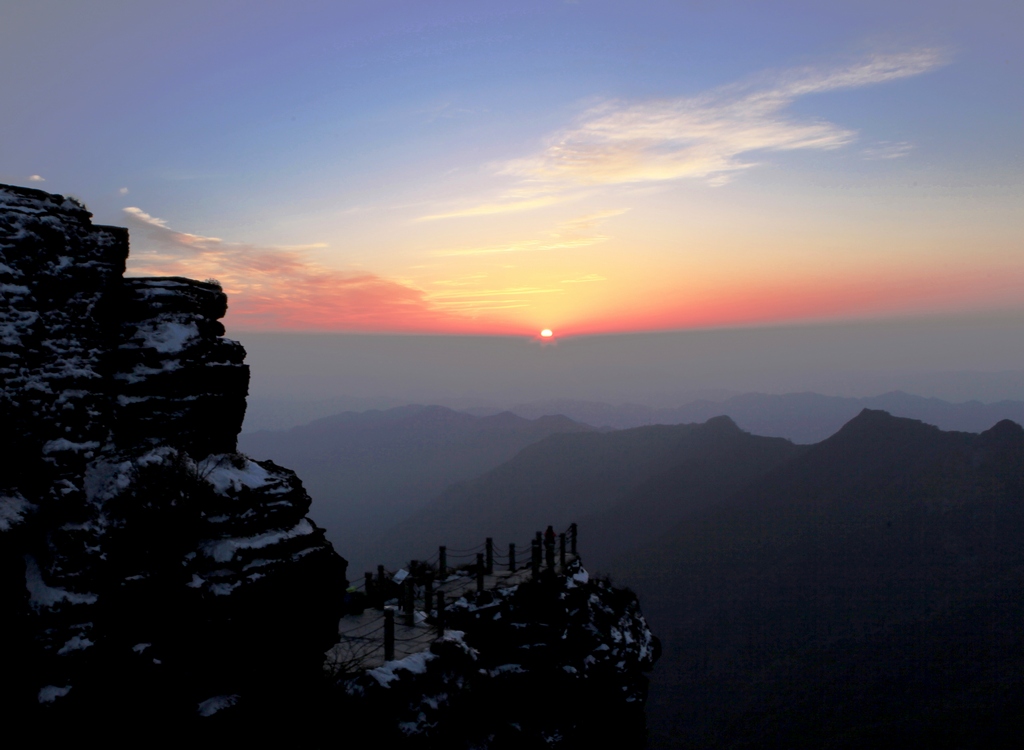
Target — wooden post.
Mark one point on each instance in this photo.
(389, 634)
(410, 602)
(490, 556)
(428, 592)
(368, 589)
(440, 614)
(561, 550)
(535, 561)
(512, 557)
(480, 572)
(442, 562)
(549, 549)
(572, 539)
(379, 589)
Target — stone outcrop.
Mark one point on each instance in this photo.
(145, 564)
(151, 576)
(556, 662)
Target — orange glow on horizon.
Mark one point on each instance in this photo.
(374, 305)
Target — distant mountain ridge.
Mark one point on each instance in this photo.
(621, 486)
(800, 417)
(862, 591)
(874, 580)
(367, 470)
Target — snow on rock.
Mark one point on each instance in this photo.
(13, 509)
(224, 589)
(142, 374)
(76, 643)
(63, 444)
(42, 595)
(210, 706)
(167, 337)
(223, 550)
(413, 664)
(50, 693)
(224, 475)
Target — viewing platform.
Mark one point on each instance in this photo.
(400, 613)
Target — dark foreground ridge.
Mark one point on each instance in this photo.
(152, 576)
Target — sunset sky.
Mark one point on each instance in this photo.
(501, 168)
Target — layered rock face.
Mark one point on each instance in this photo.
(151, 576)
(145, 566)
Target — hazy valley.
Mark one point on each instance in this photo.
(887, 551)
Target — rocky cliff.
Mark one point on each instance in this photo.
(152, 577)
(146, 565)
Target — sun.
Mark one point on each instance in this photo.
(547, 333)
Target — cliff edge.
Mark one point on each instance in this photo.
(155, 580)
(146, 565)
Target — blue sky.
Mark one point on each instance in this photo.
(495, 168)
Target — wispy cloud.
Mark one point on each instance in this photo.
(167, 235)
(280, 286)
(502, 207)
(36, 178)
(712, 136)
(585, 279)
(887, 150)
(581, 231)
(709, 135)
(474, 302)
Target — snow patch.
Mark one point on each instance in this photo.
(155, 456)
(13, 509)
(458, 637)
(504, 668)
(50, 693)
(76, 643)
(222, 474)
(414, 663)
(217, 703)
(223, 550)
(63, 444)
(66, 396)
(41, 595)
(224, 589)
(168, 337)
(140, 372)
